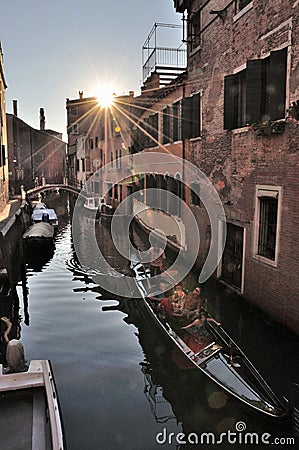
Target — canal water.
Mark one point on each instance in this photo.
(120, 385)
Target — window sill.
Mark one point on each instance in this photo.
(266, 261)
(243, 11)
(241, 130)
(195, 139)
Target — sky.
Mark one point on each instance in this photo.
(54, 48)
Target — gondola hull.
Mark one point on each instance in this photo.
(218, 357)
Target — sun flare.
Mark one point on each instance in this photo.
(105, 95)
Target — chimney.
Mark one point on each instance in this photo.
(131, 93)
(15, 107)
(42, 119)
(80, 95)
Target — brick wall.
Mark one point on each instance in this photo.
(237, 161)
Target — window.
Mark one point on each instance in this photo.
(96, 142)
(75, 129)
(258, 93)
(74, 110)
(83, 164)
(90, 143)
(191, 117)
(243, 3)
(77, 165)
(195, 30)
(195, 194)
(166, 125)
(267, 222)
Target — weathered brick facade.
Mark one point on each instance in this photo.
(34, 154)
(240, 159)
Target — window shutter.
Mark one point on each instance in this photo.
(277, 84)
(254, 91)
(196, 115)
(175, 122)
(166, 125)
(187, 118)
(153, 129)
(229, 95)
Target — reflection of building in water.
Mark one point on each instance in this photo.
(160, 407)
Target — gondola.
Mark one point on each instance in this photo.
(217, 356)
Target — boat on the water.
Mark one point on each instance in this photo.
(30, 414)
(45, 215)
(216, 355)
(93, 203)
(40, 231)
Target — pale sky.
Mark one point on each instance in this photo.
(54, 48)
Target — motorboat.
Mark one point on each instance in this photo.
(45, 215)
(30, 413)
(216, 355)
(93, 203)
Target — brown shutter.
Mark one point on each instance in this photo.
(277, 84)
(254, 92)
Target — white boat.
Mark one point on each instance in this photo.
(30, 415)
(93, 203)
(40, 214)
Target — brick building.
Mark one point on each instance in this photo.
(34, 153)
(243, 59)
(3, 139)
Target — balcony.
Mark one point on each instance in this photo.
(168, 62)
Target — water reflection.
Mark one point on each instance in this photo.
(109, 361)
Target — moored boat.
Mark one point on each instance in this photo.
(45, 215)
(39, 231)
(93, 203)
(30, 414)
(216, 355)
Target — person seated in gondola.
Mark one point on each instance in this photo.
(191, 307)
(178, 299)
(165, 306)
(198, 327)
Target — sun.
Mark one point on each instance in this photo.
(105, 95)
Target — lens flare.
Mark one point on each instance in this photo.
(105, 95)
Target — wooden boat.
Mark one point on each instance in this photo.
(40, 231)
(30, 415)
(217, 356)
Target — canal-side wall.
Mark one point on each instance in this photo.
(11, 249)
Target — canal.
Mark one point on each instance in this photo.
(119, 384)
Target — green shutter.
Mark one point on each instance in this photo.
(187, 118)
(277, 84)
(229, 95)
(254, 92)
(196, 115)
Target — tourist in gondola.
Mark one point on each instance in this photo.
(178, 299)
(199, 326)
